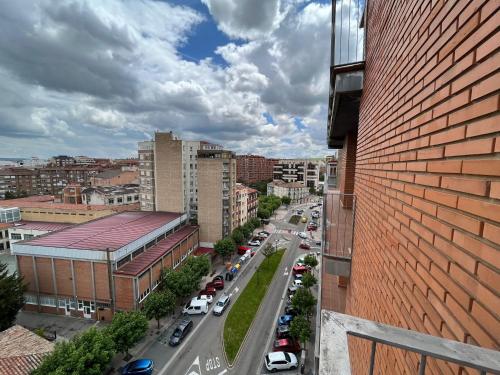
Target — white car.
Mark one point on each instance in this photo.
(254, 243)
(205, 297)
(221, 305)
(297, 283)
(302, 235)
(263, 234)
(281, 361)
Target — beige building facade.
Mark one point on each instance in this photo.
(217, 215)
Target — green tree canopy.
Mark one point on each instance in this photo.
(182, 284)
(238, 236)
(12, 291)
(303, 301)
(311, 261)
(286, 200)
(86, 354)
(199, 266)
(263, 213)
(268, 251)
(300, 328)
(308, 280)
(126, 329)
(255, 222)
(224, 247)
(159, 304)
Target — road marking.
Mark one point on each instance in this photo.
(286, 271)
(222, 372)
(195, 363)
(236, 289)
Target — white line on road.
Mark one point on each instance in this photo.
(236, 289)
(222, 372)
(286, 271)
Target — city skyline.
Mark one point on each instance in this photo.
(246, 76)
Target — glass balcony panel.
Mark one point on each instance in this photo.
(348, 37)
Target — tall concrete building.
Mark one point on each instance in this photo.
(302, 171)
(217, 214)
(147, 175)
(412, 236)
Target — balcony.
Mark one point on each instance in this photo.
(340, 331)
(338, 229)
(346, 69)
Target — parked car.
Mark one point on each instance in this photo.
(282, 332)
(221, 305)
(304, 219)
(291, 290)
(263, 234)
(254, 243)
(209, 290)
(265, 231)
(261, 238)
(313, 206)
(298, 276)
(180, 332)
(217, 284)
(302, 234)
(285, 320)
(289, 310)
(312, 227)
(318, 242)
(141, 366)
(297, 283)
(242, 250)
(286, 345)
(281, 361)
(300, 212)
(205, 297)
(195, 307)
(305, 246)
(299, 269)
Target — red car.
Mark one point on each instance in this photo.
(209, 291)
(299, 269)
(304, 246)
(286, 345)
(216, 283)
(312, 227)
(252, 253)
(243, 249)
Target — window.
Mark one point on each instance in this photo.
(119, 200)
(30, 299)
(80, 305)
(47, 301)
(111, 201)
(28, 236)
(129, 198)
(15, 236)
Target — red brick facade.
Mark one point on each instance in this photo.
(427, 230)
(254, 168)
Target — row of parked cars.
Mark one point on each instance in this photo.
(259, 238)
(285, 348)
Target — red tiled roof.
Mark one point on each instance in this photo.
(33, 198)
(150, 256)
(111, 232)
(41, 225)
(6, 225)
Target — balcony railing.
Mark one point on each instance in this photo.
(334, 346)
(348, 39)
(338, 229)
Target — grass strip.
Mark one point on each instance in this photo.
(243, 312)
(295, 219)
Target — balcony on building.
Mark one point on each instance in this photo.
(346, 69)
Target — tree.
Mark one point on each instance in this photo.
(159, 304)
(312, 190)
(300, 329)
(255, 222)
(12, 291)
(263, 213)
(245, 229)
(198, 266)
(238, 236)
(311, 261)
(308, 280)
(86, 354)
(181, 283)
(303, 301)
(224, 247)
(126, 329)
(10, 195)
(268, 251)
(286, 200)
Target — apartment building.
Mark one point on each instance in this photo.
(302, 171)
(146, 175)
(112, 264)
(217, 215)
(246, 203)
(72, 194)
(17, 180)
(4, 236)
(413, 233)
(296, 191)
(111, 195)
(254, 168)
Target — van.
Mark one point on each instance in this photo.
(196, 307)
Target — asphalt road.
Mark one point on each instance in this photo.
(201, 351)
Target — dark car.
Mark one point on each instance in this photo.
(180, 332)
(300, 212)
(289, 310)
(219, 277)
(282, 332)
(142, 366)
(304, 246)
(285, 320)
(216, 283)
(209, 290)
(286, 345)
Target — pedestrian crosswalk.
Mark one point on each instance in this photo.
(286, 231)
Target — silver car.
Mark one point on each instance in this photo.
(221, 305)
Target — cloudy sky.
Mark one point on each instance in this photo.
(95, 77)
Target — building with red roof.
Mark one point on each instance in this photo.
(95, 268)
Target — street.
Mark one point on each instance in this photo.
(201, 352)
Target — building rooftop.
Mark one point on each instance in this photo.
(22, 203)
(150, 256)
(111, 232)
(33, 198)
(113, 190)
(288, 184)
(109, 173)
(40, 225)
(21, 351)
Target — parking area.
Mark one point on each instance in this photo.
(64, 327)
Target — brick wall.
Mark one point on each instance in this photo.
(427, 236)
